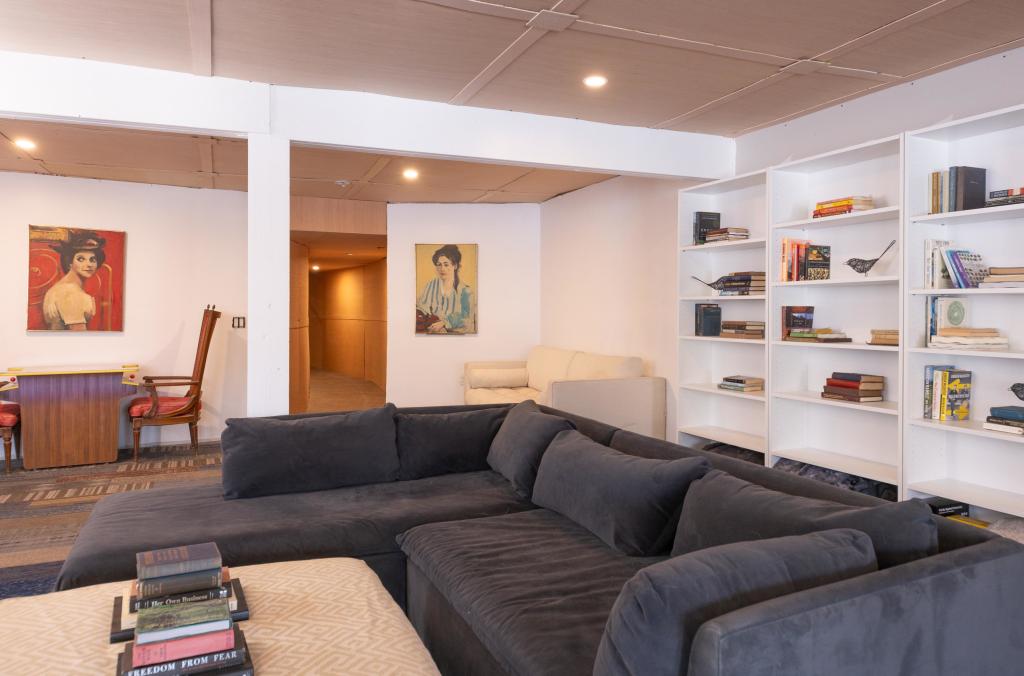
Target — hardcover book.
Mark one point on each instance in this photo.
(956, 395)
(704, 222)
(209, 663)
(930, 371)
(177, 560)
(177, 584)
(122, 622)
(818, 262)
(707, 319)
(189, 646)
(166, 623)
(1008, 412)
(798, 318)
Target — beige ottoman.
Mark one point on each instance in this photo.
(324, 616)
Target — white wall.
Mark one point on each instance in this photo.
(608, 272)
(185, 248)
(977, 87)
(427, 369)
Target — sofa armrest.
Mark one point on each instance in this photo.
(472, 365)
(634, 404)
(960, 612)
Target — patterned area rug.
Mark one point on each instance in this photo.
(41, 511)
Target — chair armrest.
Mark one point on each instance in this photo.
(633, 404)
(181, 383)
(166, 377)
(959, 612)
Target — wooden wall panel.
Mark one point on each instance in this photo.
(354, 317)
(316, 321)
(324, 214)
(375, 291)
(376, 352)
(298, 346)
(351, 358)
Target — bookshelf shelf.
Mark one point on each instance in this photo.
(856, 281)
(737, 244)
(879, 471)
(712, 388)
(715, 299)
(867, 216)
(725, 435)
(837, 346)
(972, 427)
(984, 354)
(973, 494)
(968, 292)
(883, 407)
(719, 339)
(972, 216)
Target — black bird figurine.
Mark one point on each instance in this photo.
(1018, 389)
(717, 285)
(864, 266)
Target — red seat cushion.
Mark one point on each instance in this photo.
(141, 405)
(9, 413)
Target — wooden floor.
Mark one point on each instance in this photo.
(330, 391)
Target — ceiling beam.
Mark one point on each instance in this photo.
(200, 33)
(526, 40)
(486, 8)
(775, 78)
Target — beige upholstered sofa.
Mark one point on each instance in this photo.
(611, 389)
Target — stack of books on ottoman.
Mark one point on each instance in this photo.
(854, 387)
(181, 613)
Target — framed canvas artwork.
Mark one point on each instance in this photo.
(75, 279)
(446, 291)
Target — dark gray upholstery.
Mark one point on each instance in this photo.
(355, 521)
(535, 587)
(431, 444)
(520, 443)
(721, 509)
(631, 503)
(266, 456)
(660, 609)
(600, 432)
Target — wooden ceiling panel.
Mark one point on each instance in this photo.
(553, 182)
(152, 33)
(647, 83)
(450, 173)
(231, 182)
(379, 192)
(397, 47)
(10, 163)
(185, 179)
(789, 96)
(330, 163)
(309, 187)
(533, 5)
(956, 33)
(504, 197)
(797, 29)
(230, 156)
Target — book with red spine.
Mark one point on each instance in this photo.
(179, 648)
(854, 385)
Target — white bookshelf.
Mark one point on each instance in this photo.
(961, 460)
(706, 412)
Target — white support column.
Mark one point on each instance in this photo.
(268, 275)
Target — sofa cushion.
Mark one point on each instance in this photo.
(359, 521)
(267, 456)
(430, 444)
(520, 443)
(631, 503)
(535, 587)
(590, 366)
(655, 618)
(501, 395)
(545, 364)
(720, 509)
(498, 377)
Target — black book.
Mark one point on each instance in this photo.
(704, 222)
(944, 507)
(970, 188)
(708, 319)
(222, 592)
(234, 662)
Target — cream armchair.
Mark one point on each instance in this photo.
(606, 388)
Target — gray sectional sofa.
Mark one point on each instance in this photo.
(537, 542)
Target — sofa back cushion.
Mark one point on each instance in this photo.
(721, 509)
(267, 456)
(518, 446)
(590, 366)
(545, 364)
(431, 444)
(631, 503)
(498, 377)
(656, 616)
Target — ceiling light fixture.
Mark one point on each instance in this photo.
(343, 183)
(25, 144)
(348, 254)
(316, 268)
(595, 81)
(411, 174)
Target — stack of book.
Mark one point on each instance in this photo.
(742, 384)
(966, 338)
(823, 335)
(884, 337)
(843, 205)
(181, 612)
(743, 283)
(1000, 198)
(726, 234)
(802, 261)
(742, 329)
(947, 393)
(1009, 419)
(853, 387)
(947, 266)
(1003, 278)
(956, 189)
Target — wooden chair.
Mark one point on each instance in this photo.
(161, 409)
(10, 417)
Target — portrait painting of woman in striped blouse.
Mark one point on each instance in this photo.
(446, 285)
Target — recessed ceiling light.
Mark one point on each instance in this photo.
(348, 254)
(25, 144)
(316, 268)
(595, 81)
(343, 183)
(411, 174)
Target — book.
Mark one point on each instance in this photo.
(166, 623)
(743, 380)
(732, 387)
(935, 274)
(177, 560)
(707, 319)
(135, 603)
(956, 396)
(818, 262)
(1006, 271)
(929, 375)
(970, 267)
(946, 507)
(852, 395)
(208, 663)
(855, 385)
(704, 221)
(977, 523)
(999, 427)
(967, 332)
(796, 318)
(177, 584)
(1009, 422)
(144, 654)
(122, 621)
(951, 313)
(970, 188)
(841, 397)
(858, 377)
(938, 389)
(1006, 192)
(1008, 412)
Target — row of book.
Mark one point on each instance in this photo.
(1009, 419)
(798, 325)
(742, 384)
(853, 387)
(181, 612)
(1001, 198)
(708, 322)
(956, 189)
(801, 260)
(947, 393)
(842, 205)
(948, 266)
(726, 235)
(1003, 278)
(947, 327)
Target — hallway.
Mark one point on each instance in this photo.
(330, 391)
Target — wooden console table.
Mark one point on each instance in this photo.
(69, 415)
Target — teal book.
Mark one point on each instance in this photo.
(1008, 412)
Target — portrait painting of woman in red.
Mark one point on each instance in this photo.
(75, 279)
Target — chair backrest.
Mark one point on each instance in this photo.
(210, 317)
